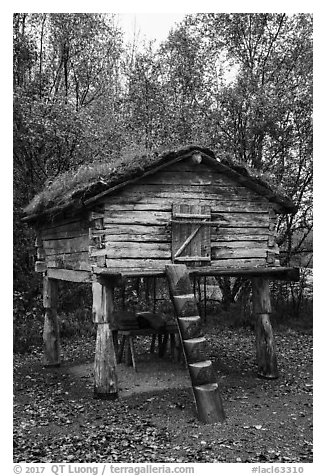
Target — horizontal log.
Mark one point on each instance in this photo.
(237, 263)
(200, 216)
(209, 403)
(201, 373)
(138, 217)
(134, 194)
(225, 237)
(234, 231)
(185, 305)
(213, 192)
(117, 203)
(195, 349)
(147, 247)
(249, 220)
(53, 234)
(190, 326)
(137, 238)
(143, 203)
(274, 273)
(242, 241)
(132, 229)
(158, 250)
(72, 245)
(217, 233)
(194, 221)
(137, 263)
(77, 261)
(69, 275)
(71, 224)
(58, 264)
(126, 263)
(186, 259)
(135, 250)
(223, 252)
(228, 236)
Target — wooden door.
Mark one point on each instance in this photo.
(191, 234)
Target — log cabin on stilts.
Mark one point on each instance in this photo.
(179, 214)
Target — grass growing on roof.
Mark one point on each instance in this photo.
(74, 186)
(97, 176)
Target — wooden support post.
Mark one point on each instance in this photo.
(51, 336)
(105, 376)
(266, 356)
(121, 349)
(152, 349)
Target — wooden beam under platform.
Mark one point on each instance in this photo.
(274, 273)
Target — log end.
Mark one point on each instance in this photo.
(195, 349)
(209, 403)
(202, 373)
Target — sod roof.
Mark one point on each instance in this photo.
(75, 188)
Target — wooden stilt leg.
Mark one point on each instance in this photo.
(122, 346)
(163, 345)
(132, 352)
(128, 357)
(105, 376)
(159, 343)
(51, 337)
(266, 355)
(152, 349)
(172, 345)
(115, 341)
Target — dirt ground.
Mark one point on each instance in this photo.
(56, 418)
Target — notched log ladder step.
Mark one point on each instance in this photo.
(205, 388)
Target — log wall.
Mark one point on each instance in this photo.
(132, 228)
(64, 245)
(136, 229)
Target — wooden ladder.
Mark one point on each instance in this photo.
(205, 388)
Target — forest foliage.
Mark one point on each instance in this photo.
(240, 84)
